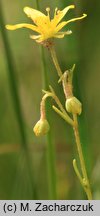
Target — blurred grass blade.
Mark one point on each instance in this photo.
(51, 169)
(12, 79)
(15, 97)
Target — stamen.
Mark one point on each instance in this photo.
(56, 9)
(48, 11)
(68, 32)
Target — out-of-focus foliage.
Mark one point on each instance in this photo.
(20, 171)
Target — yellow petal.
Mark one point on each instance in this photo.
(41, 39)
(33, 14)
(58, 17)
(62, 34)
(77, 18)
(38, 18)
(23, 25)
(34, 37)
(62, 24)
(68, 32)
(59, 36)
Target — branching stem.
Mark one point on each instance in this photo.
(84, 178)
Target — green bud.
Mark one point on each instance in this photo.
(73, 105)
(41, 128)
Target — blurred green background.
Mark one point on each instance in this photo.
(23, 157)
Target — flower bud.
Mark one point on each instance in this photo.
(41, 128)
(73, 105)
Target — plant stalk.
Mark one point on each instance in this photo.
(84, 181)
(55, 60)
(82, 162)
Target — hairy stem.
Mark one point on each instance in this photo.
(55, 60)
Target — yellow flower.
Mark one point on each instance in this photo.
(46, 27)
